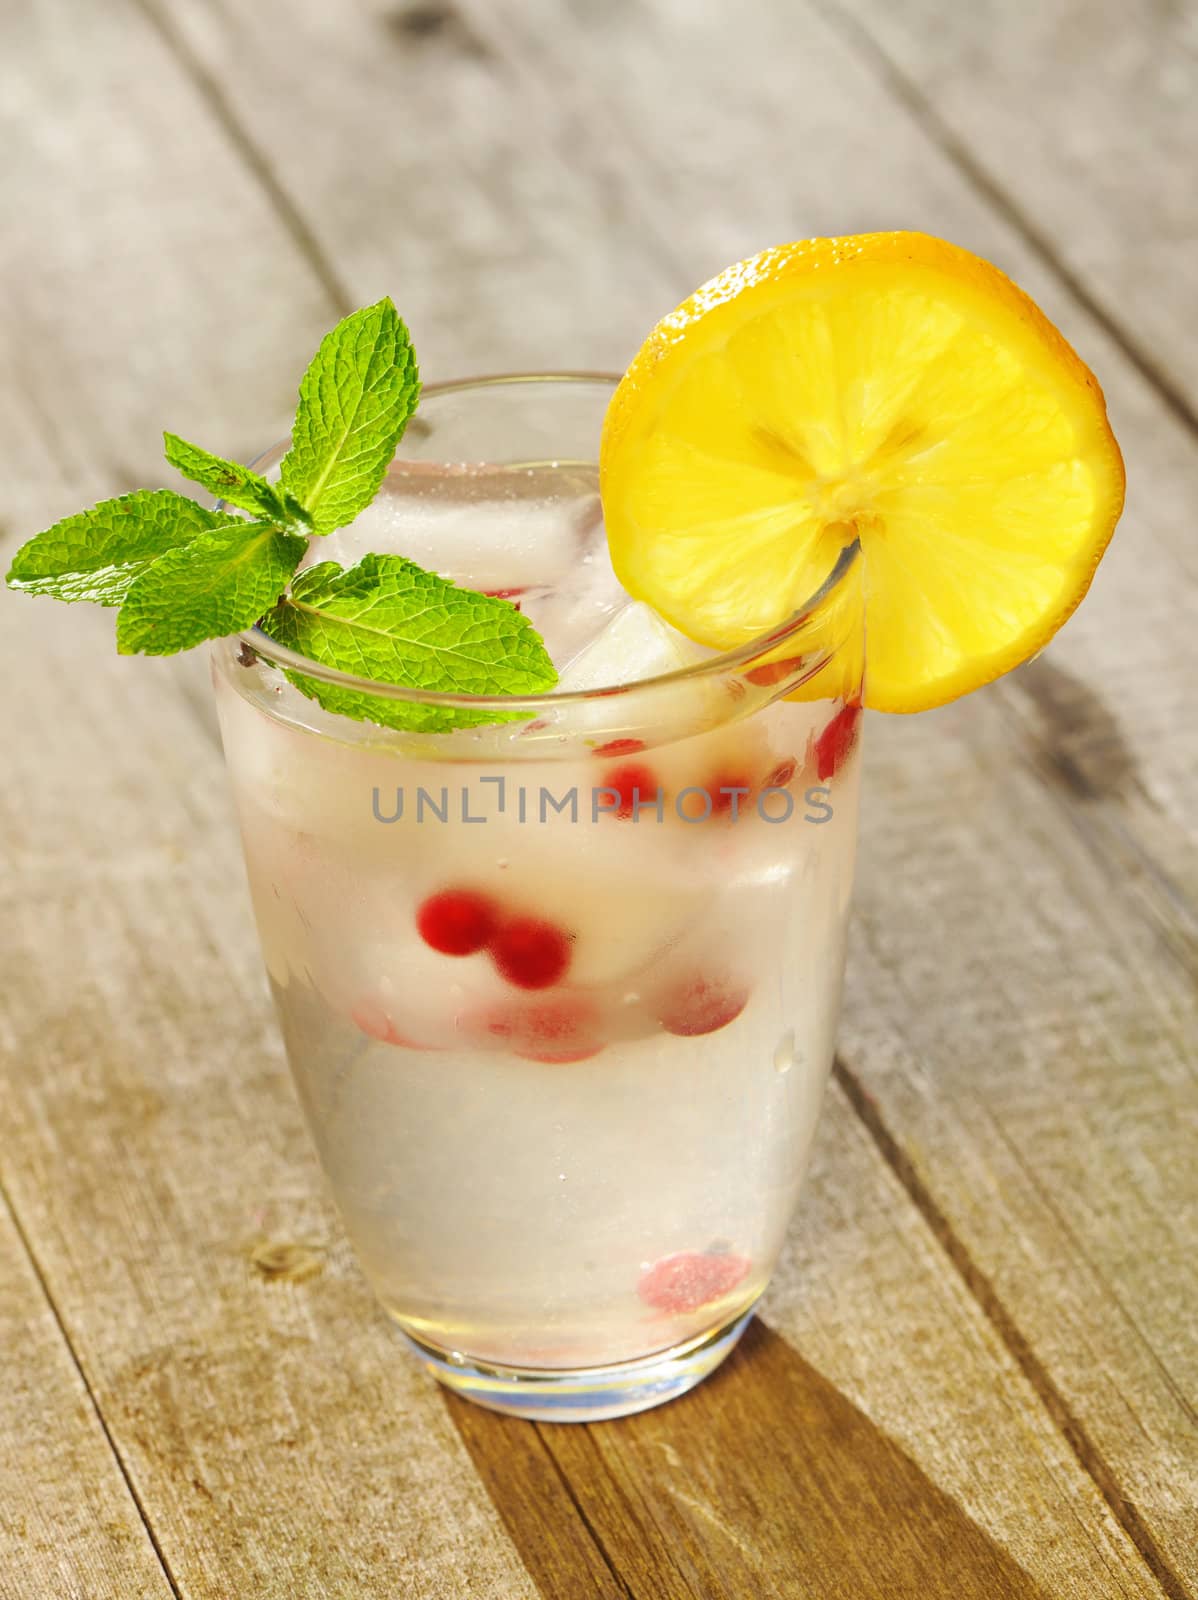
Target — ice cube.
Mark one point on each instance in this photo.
(486, 527)
(570, 614)
(635, 644)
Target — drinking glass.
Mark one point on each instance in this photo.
(558, 992)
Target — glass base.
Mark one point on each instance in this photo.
(582, 1394)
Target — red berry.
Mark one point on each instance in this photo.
(770, 672)
(531, 953)
(620, 747)
(558, 1029)
(688, 1280)
(835, 743)
(721, 803)
(636, 785)
(702, 1005)
(457, 922)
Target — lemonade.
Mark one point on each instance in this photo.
(544, 735)
(559, 995)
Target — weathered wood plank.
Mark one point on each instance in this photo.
(147, 284)
(1083, 116)
(68, 1523)
(792, 1474)
(667, 159)
(277, 1436)
(494, 260)
(489, 267)
(174, 295)
(1043, 1086)
(773, 1483)
(260, 1417)
(1088, 923)
(817, 145)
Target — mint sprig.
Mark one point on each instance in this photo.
(236, 485)
(220, 583)
(388, 619)
(355, 401)
(182, 573)
(97, 554)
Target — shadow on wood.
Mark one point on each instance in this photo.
(765, 1480)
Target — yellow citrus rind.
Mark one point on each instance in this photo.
(887, 387)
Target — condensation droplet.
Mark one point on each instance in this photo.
(784, 1052)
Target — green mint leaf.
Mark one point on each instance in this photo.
(355, 401)
(237, 485)
(182, 574)
(97, 554)
(388, 619)
(220, 583)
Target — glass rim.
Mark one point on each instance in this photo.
(742, 656)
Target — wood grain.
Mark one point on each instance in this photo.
(1087, 924)
(770, 1482)
(1043, 1089)
(1080, 120)
(276, 1435)
(69, 1526)
(140, 1051)
(147, 283)
(768, 101)
(991, 1267)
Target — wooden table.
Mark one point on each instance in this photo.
(970, 1377)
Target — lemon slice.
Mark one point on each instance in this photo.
(887, 387)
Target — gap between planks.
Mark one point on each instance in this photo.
(912, 98)
(769, 1482)
(981, 1290)
(213, 96)
(584, 1517)
(1181, 943)
(983, 1293)
(35, 1267)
